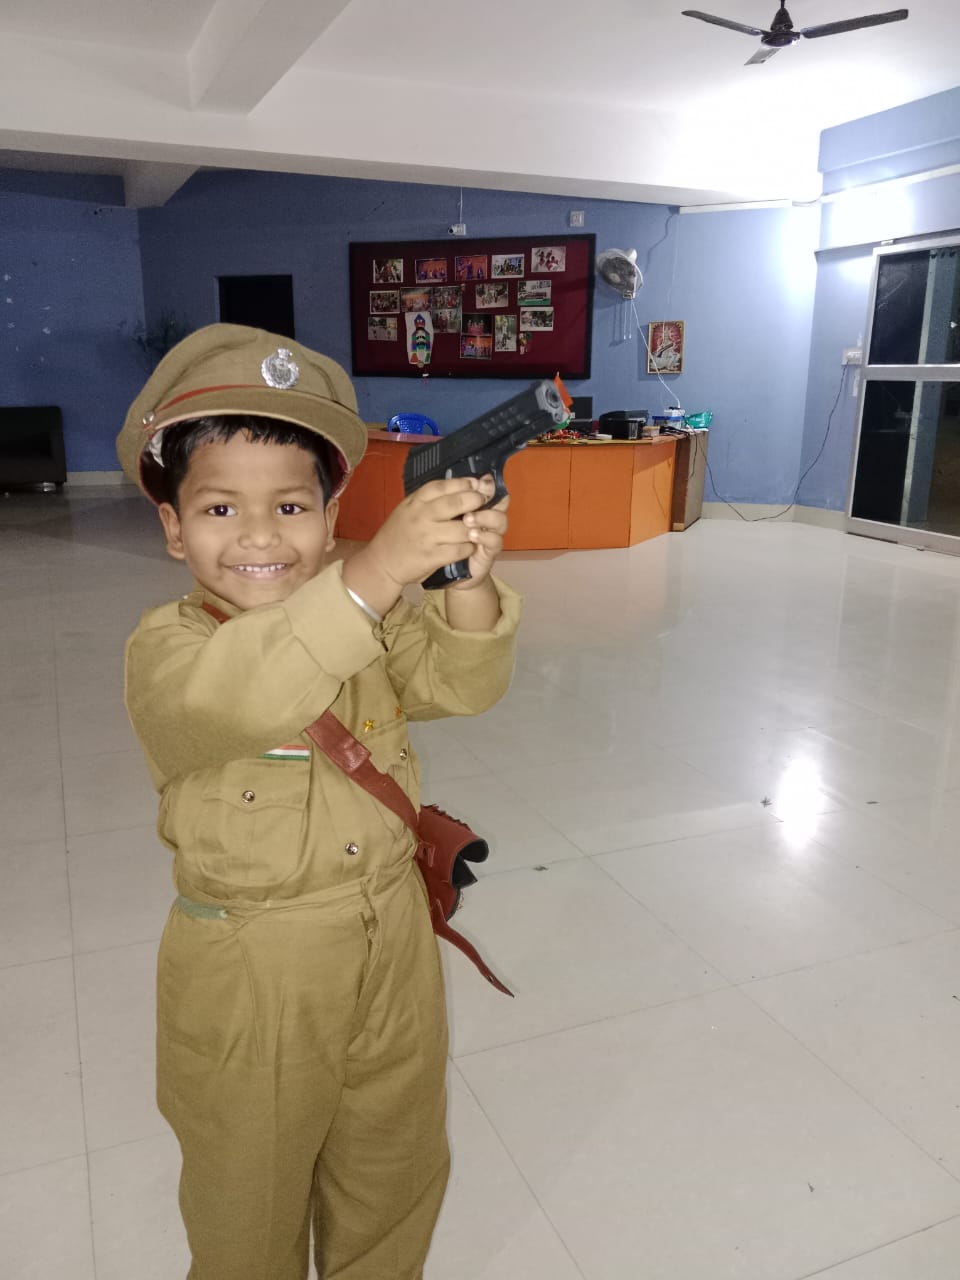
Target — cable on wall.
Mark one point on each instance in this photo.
(796, 493)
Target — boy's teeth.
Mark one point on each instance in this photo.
(259, 568)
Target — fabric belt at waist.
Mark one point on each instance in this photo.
(339, 898)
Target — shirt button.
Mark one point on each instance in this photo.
(248, 797)
(403, 753)
(351, 848)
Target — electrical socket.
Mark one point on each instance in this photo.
(852, 355)
(458, 229)
(576, 217)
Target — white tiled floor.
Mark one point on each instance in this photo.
(724, 804)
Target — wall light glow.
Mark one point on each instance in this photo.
(869, 215)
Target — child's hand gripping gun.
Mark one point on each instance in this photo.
(482, 448)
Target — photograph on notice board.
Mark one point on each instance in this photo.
(505, 333)
(537, 318)
(446, 321)
(524, 342)
(476, 347)
(471, 266)
(665, 346)
(431, 270)
(384, 301)
(548, 257)
(382, 329)
(416, 299)
(496, 294)
(388, 271)
(504, 265)
(477, 324)
(447, 297)
(534, 293)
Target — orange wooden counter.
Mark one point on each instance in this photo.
(604, 493)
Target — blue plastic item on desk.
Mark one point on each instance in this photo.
(414, 424)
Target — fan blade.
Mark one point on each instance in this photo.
(722, 22)
(763, 53)
(855, 24)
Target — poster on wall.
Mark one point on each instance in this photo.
(500, 307)
(665, 346)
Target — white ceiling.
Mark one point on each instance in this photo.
(619, 98)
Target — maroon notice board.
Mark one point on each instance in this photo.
(507, 307)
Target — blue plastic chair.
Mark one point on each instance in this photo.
(414, 424)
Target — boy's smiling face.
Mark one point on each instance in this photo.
(252, 525)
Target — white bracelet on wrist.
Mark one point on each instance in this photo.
(371, 613)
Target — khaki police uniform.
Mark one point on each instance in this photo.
(301, 1046)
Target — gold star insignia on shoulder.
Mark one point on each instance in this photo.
(368, 725)
(398, 712)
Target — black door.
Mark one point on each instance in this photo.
(266, 302)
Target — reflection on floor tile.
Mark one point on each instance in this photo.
(730, 756)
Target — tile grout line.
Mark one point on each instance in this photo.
(520, 1173)
(825, 1271)
(591, 1022)
(73, 958)
(847, 1084)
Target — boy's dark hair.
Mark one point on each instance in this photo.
(178, 443)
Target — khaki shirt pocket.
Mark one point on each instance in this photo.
(240, 828)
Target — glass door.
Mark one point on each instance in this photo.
(906, 476)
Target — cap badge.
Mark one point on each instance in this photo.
(280, 370)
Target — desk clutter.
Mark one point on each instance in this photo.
(623, 424)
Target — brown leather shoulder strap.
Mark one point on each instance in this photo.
(349, 754)
(339, 745)
(214, 612)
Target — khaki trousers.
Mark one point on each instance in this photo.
(301, 1058)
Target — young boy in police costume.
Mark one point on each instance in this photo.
(301, 1046)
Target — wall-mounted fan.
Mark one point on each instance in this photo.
(618, 267)
(782, 31)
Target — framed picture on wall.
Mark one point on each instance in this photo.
(665, 346)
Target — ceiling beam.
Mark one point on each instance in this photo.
(247, 46)
(147, 185)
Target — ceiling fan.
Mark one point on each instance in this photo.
(782, 32)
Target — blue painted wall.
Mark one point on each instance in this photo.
(248, 223)
(742, 282)
(915, 138)
(746, 279)
(766, 314)
(70, 302)
(855, 221)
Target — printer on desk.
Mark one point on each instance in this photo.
(624, 424)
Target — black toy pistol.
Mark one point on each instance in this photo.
(482, 448)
